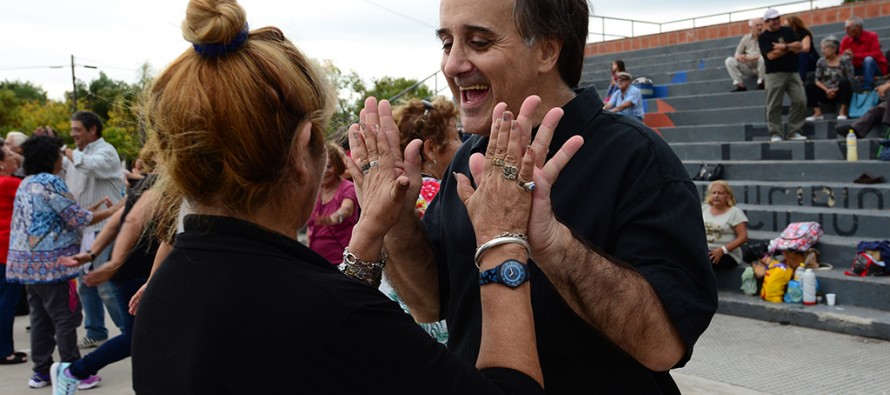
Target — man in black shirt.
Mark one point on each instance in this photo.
(779, 46)
(621, 283)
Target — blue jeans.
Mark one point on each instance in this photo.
(10, 293)
(868, 71)
(117, 348)
(96, 299)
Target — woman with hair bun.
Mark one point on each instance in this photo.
(239, 120)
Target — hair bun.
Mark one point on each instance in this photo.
(214, 22)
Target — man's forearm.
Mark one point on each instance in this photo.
(412, 269)
(614, 299)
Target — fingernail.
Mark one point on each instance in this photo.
(361, 125)
(508, 116)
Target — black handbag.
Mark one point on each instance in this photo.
(708, 172)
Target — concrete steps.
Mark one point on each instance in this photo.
(774, 183)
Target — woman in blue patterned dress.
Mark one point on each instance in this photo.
(46, 225)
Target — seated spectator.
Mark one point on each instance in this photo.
(832, 82)
(875, 116)
(748, 61)
(726, 226)
(617, 67)
(628, 100)
(807, 56)
(863, 47)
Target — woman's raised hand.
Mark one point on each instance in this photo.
(386, 184)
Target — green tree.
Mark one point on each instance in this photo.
(13, 95)
(389, 87)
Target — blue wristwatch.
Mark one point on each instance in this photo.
(511, 273)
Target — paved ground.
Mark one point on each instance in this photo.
(736, 356)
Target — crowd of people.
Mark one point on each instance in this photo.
(775, 54)
(481, 242)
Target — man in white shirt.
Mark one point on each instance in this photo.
(748, 60)
(93, 173)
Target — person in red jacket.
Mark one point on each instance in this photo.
(863, 47)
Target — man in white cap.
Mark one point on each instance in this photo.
(779, 46)
(747, 62)
(628, 100)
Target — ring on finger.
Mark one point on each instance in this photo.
(497, 162)
(511, 172)
(373, 164)
(528, 186)
(366, 168)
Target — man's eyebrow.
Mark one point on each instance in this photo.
(467, 27)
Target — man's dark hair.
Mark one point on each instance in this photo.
(89, 119)
(565, 20)
(41, 154)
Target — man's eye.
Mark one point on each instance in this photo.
(480, 43)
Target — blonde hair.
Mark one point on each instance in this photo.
(729, 202)
(226, 126)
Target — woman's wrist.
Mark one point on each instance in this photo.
(725, 250)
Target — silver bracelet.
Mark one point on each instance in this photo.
(725, 251)
(498, 241)
(368, 272)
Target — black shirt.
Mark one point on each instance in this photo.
(786, 63)
(141, 257)
(236, 309)
(627, 194)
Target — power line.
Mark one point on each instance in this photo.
(408, 17)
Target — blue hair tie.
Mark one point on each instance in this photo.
(217, 50)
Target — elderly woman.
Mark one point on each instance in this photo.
(10, 292)
(238, 268)
(46, 226)
(832, 83)
(435, 124)
(726, 226)
(336, 209)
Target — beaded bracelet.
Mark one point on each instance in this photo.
(506, 238)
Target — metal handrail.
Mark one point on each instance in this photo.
(661, 25)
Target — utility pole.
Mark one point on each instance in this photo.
(74, 84)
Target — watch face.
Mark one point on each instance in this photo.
(512, 273)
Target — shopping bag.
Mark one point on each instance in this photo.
(862, 102)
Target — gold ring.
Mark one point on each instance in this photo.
(497, 162)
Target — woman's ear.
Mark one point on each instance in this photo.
(302, 157)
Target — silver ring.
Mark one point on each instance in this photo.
(373, 163)
(510, 172)
(528, 186)
(497, 162)
(366, 168)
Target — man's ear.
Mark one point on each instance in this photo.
(300, 151)
(548, 52)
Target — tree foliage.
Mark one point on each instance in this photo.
(352, 92)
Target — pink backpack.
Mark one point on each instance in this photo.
(797, 236)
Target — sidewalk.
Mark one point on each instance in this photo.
(736, 356)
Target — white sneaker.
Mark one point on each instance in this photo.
(815, 118)
(775, 138)
(796, 136)
(841, 117)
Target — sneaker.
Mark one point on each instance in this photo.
(775, 138)
(39, 380)
(760, 86)
(815, 118)
(88, 342)
(841, 117)
(63, 382)
(739, 88)
(89, 382)
(796, 136)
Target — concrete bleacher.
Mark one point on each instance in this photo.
(775, 183)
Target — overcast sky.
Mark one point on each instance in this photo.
(375, 38)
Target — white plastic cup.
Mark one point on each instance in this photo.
(830, 298)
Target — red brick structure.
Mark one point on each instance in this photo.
(863, 9)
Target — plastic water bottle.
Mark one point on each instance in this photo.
(809, 287)
(798, 273)
(852, 153)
